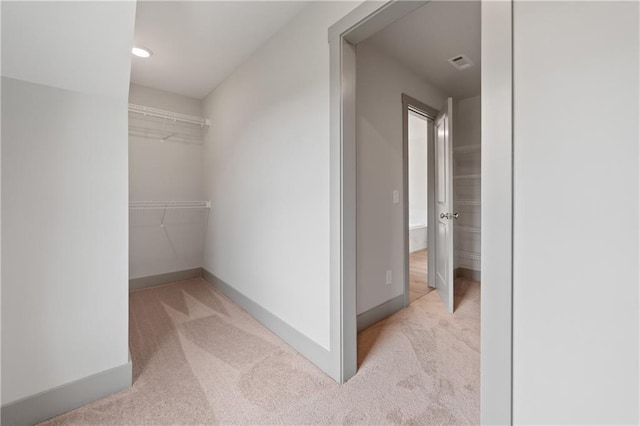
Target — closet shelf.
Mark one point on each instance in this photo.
(162, 205)
(467, 149)
(164, 137)
(467, 177)
(467, 203)
(470, 229)
(169, 115)
(467, 255)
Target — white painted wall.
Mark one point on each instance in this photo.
(418, 238)
(380, 84)
(0, 227)
(576, 213)
(467, 131)
(64, 192)
(267, 174)
(162, 99)
(170, 170)
(468, 123)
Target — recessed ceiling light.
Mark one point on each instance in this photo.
(141, 52)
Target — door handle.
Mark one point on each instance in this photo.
(448, 215)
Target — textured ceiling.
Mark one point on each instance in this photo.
(425, 39)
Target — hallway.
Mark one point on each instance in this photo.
(199, 358)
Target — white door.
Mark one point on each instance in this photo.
(444, 205)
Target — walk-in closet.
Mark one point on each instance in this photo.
(167, 210)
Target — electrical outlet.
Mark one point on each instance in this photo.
(396, 196)
(389, 277)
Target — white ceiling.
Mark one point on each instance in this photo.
(425, 39)
(197, 44)
(41, 44)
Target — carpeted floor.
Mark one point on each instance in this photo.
(200, 359)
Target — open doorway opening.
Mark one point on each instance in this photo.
(348, 36)
(417, 219)
(417, 228)
(418, 141)
(418, 180)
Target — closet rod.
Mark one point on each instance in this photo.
(145, 205)
(174, 116)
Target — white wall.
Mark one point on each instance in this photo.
(380, 84)
(418, 238)
(0, 227)
(468, 123)
(170, 170)
(156, 98)
(267, 174)
(576, 213)
(64, 192)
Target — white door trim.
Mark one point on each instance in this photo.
(496, 359)
(362, 22)
(497, 213)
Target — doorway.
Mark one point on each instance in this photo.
(390, 69)
(354, 28)
(418, 181)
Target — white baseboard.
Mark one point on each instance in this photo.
(470, 274)
(301, 343)
(161, 279)
(380, 312)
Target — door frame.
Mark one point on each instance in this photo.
(430, 113)
(496, 400)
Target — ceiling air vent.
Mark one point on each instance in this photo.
(461, 62)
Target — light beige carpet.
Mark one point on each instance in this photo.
(200, 359)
